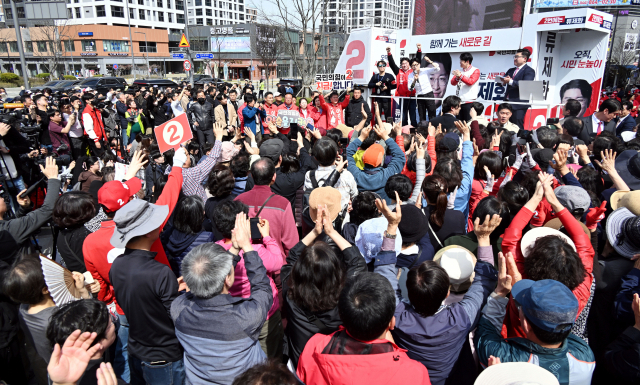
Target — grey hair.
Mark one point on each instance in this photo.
(119, 95)
(205, 268)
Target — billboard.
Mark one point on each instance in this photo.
(231, 44)
(444, 16)
(581, 3)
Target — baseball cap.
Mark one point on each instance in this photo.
(276, 94)
(449, 143)
(374, 155)
(547, 303)
(574, 198)
(115, 194)
(271, 148)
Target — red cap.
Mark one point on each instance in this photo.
(115, 194)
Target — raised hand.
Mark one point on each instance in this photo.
(68, 364)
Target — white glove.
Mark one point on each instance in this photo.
(519, 159)
(452, 199)
(180, 157)
(528, 159)
(490, 181)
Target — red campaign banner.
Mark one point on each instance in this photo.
(173, 133)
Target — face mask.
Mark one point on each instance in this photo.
(201, 100)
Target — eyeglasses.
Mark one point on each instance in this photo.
(382, 65)
(517, 56)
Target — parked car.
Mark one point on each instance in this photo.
(49, 84)
(148, 83)
(65, 86)
(102, 85)
(296, 84)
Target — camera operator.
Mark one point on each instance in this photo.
(58, 132)
(26, 224)
(40, 114)
(76, 133)
(93, 124)
(12, 146)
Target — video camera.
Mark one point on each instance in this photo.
(61, 160)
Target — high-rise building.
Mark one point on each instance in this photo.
(157, 14)
(344, 15)
(251, 15)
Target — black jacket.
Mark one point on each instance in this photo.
(145, 290)
(387, 80)
(353, 112)
(287, 185)
(453, 224)
(69, 244)
(122, 110)
(302, 324)
(203, 114)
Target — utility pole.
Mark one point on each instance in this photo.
(146, 50)
(133, 59)
(186, 32)
(23, 62)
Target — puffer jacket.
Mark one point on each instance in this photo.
(203, 115)
(178, 244)
(353, 112)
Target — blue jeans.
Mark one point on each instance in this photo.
(121, 361)
(168, 373)
(125, 139)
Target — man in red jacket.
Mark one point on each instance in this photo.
(335, 110)
(402, 74)
(363, 351)
(98, 252)
(271, 111)
(290, 106)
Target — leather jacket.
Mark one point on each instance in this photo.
(203, 114)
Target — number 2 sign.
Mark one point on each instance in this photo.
(173, 133)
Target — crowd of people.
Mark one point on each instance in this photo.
(455, 249)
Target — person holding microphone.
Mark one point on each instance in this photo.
(420, 83)
(466, 81)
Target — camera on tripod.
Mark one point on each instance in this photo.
(61, 160)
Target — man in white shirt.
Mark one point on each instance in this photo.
(175, 103)
(76, 133)
(419, 81)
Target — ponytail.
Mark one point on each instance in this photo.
(434, 188)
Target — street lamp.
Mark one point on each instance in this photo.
(146, 50)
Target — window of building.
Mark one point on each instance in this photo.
(179, 18)
(378, 5)
(21, 13)
(115, 46)
(69, 46)
(378, 13)
(198, 3)
(132, 13)
(140, 2)
(199, 12)
(241, 8)
(42, 46)
(209, 22)
(100, 11)
(208, 12)
(117, 11)
(13, 46)
(283, 70)
(69, 13)
(160, 16)
(159, 4)
(241, 16)
(141, 14)
(28, 46)
(3, 47)
(199, 21)
(377, 20)
(149, 47)
(87, 45)
(180, 6)
(230, 6)
(78, 13)
(207, 3)
(170, 17)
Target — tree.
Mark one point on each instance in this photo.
(51, 34)
(622, 55)
(303, 23)
(268, 45)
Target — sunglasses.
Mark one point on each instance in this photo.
(382, 65)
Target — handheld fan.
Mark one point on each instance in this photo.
(60, 282)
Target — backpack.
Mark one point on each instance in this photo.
(330, 181)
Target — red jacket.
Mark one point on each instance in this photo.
(511, 243)
(292, 107)
(318, 368)
(319, 119)
(335, 114)
(99, 254)
(272, 114)
(97, 132)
